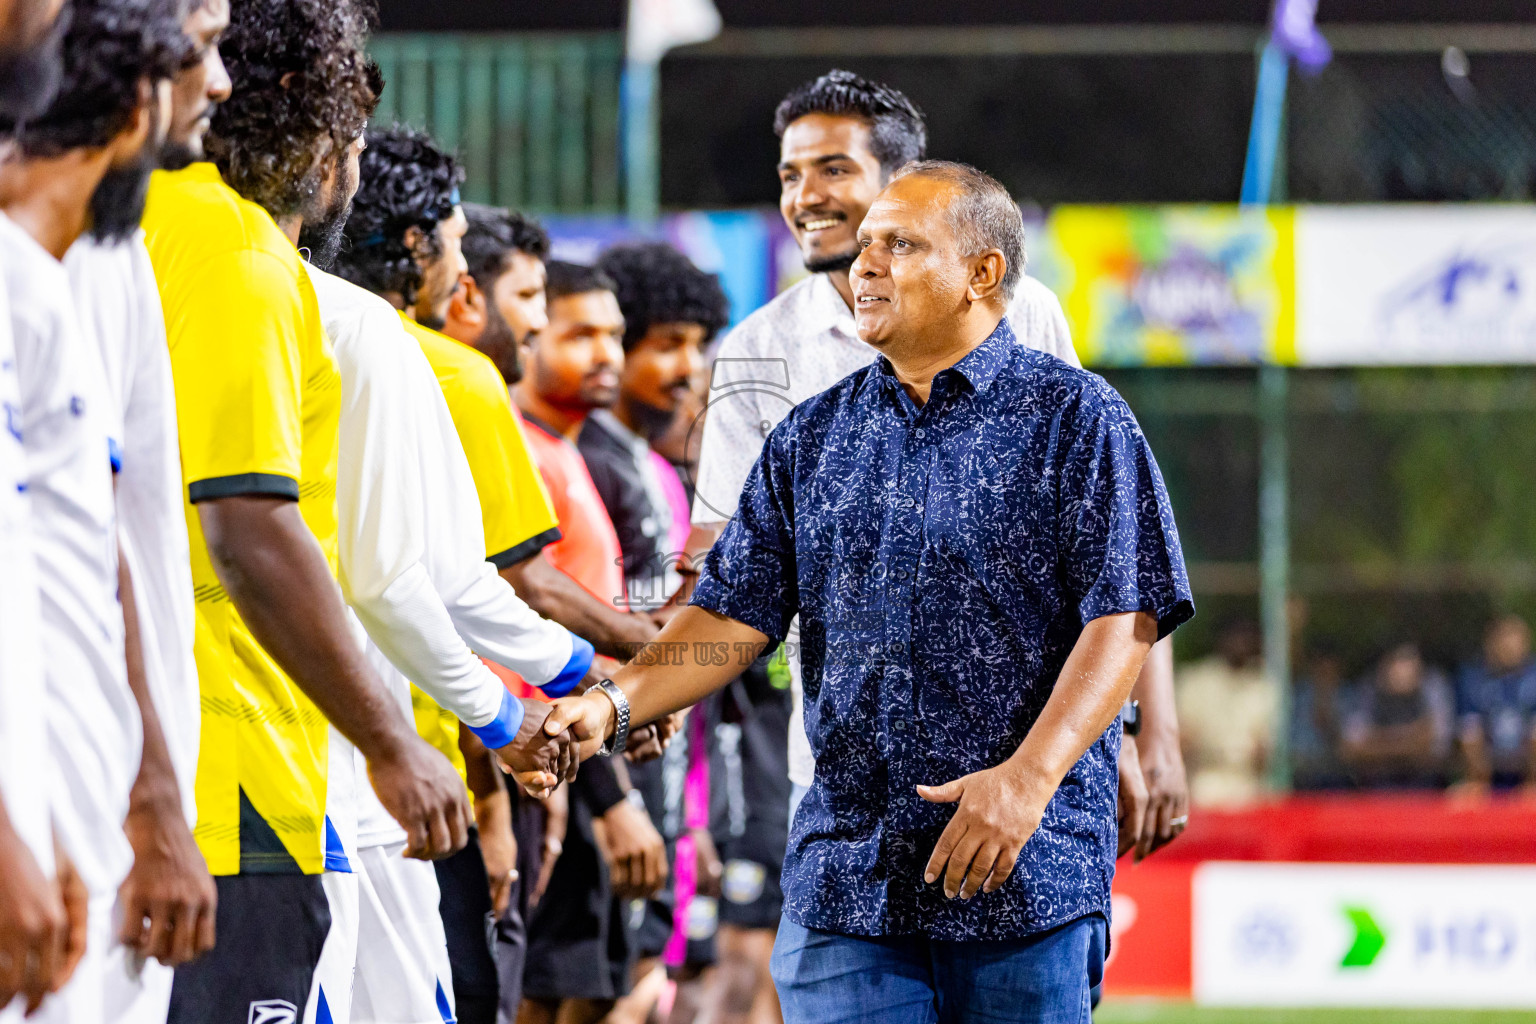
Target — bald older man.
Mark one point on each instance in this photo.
(981, 552)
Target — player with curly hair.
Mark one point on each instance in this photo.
(80, 164)
(501, 304)
(286, 689)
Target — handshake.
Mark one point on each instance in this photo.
(555, 738)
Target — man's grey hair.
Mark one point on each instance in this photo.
(983, 215)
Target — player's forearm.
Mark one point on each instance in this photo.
(480, 771)
(411, 626)
(496, 623)
(1154, 689)
(556, 596)
(1089, 693)
(278, 578)
(155, 789)
(697, 653)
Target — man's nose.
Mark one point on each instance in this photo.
(864, 264)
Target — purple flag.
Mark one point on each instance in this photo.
(1295, 31)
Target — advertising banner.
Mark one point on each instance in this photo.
(1415, 284)
(1149, 950)
(1171, 285)
(1364, 935)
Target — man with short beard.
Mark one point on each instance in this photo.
(81, 164)
(33, 925)
(169, 887)
(286, 688)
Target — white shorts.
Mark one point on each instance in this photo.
(403, 976)
(330, 996)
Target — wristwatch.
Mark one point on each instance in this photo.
(620, 718)
(1130, 717)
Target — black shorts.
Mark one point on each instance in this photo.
(271, 929)
(751, 823)
(464, 903)
(578, 944)
(750, 895)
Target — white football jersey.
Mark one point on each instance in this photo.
(119, 307)
(24, 757)
(411, 540)
(93, 719)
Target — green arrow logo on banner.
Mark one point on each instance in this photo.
(1369, 938)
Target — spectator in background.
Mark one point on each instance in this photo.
(1227, 708)
(1496, 705)
(1399, 734)
(1321, 701)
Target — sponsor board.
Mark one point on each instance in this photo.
(1415, 285)
(1149, 949)
(1172, 285)
(1364, 935)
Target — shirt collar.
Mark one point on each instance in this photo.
(978, 368)
(986, 360)
(828, 311)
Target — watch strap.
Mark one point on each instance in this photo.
(620, 718)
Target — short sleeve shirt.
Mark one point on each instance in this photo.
(943, 561)
(588, 550)
(258, 402)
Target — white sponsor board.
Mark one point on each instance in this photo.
(1364, 935)
(1415, 284)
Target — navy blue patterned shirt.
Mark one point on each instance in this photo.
(943, 560)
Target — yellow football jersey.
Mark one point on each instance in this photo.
(258, 401)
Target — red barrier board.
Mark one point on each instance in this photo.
(1385, 829)
(1149, 953)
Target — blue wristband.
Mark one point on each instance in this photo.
(502, 729)
(575, 670)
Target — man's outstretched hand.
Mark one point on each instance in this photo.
(1000, 808)
(538, 759)
(588, 717)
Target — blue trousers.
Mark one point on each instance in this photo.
(824, 978)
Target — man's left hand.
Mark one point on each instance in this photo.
(1133, 797)
(1162, 767)
(1000, 808)
(168, 898)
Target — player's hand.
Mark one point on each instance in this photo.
(33, 926)
(77, 905)
(498, 847)
(635, 852)
(1162, 767)
(168, 899)
(1133, 797)
(421, 791)
(539, 760)
(649, 742)
(706, 863)
(557, 811)
(589, 717)
(1000, 808)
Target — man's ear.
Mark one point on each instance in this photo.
(468, 305)
(413, 238)
(987, 273)
(127, 144)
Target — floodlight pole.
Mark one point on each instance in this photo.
(1259, 181)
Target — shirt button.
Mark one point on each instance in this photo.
(921, 432)
(900, 724)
